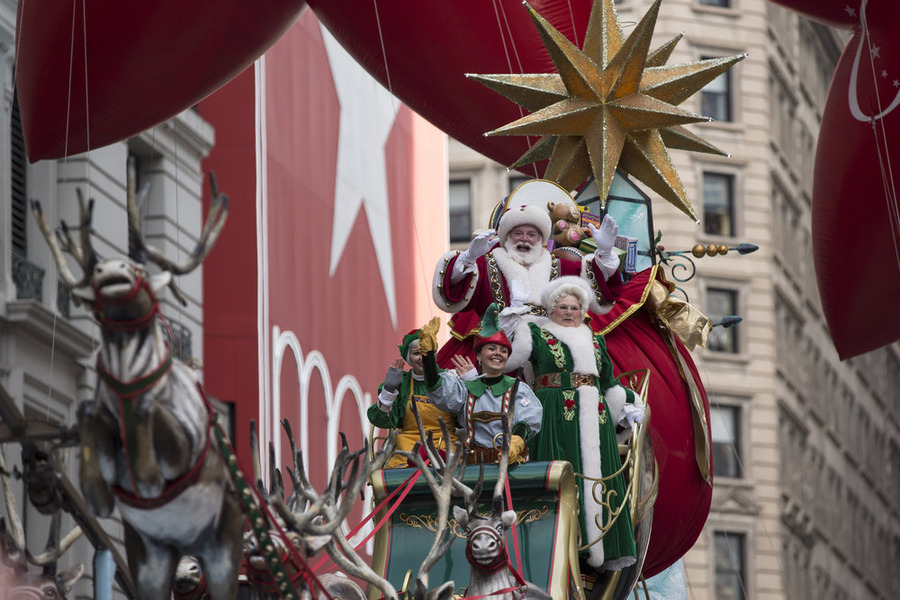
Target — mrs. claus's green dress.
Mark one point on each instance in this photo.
(574, 381)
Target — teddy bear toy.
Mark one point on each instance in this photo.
(567, 233)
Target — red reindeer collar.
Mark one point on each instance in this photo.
(499, 561)
(100, 303)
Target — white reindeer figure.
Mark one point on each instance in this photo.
(145, 438)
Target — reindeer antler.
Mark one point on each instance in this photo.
(16, 531)
(62, 242)
(446, 470)
(14, 543)
(215, 221)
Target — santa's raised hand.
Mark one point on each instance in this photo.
(605, 239)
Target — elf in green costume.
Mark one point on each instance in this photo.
(399, 389)
(481, 400)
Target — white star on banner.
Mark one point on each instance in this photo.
(367, 116)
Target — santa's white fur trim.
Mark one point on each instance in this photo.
(437, 286)
(521, 343)
(524, 215)
(595, 307)
(533, 277)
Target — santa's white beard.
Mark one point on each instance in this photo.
(526, 259)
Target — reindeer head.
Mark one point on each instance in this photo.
(189, 583)
(19, 583)
(485, 536)
(109, 286)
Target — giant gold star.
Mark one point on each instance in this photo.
(611, 104)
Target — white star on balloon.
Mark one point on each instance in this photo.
(367, 116)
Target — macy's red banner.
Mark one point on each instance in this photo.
(337, 218)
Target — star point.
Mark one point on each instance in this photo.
(612, 103)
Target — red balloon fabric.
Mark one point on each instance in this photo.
(855, 220)
(421, 51)
(682, 505)
(836, 14)
(86, 79)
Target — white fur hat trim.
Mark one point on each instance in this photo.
(524, 215)
(561, 286)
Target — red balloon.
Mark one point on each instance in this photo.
(856, 228)
(146, 62)
(837, 14)
(421, 52)
(684, 497)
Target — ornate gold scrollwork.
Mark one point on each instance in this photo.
(430, 523)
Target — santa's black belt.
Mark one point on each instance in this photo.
(564, 380)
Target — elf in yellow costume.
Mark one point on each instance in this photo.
(399, 389)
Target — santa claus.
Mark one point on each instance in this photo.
(511, 266)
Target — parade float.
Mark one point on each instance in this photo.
(602, 114)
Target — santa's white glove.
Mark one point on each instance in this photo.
(605, 238)
(517, 293)
(634, 415)
(481, 244)
(509, 317)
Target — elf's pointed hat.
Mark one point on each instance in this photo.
(408, 340)
(490, 332)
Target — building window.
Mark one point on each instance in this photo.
(721, 303)
(729, 560)
(725, 422)
(718, 204)
(18, 181)
(460, 210)
(715, 97)
(722, 3)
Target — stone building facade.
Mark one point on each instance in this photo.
(806, 504)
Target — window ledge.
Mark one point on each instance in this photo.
(733, 126)
(725, 357)
(724, 11)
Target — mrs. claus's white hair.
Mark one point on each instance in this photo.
(569, 285)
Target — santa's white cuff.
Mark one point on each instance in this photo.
(461, 267)
(607, 262)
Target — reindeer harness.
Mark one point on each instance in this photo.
(498, 562)
(127, 391)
